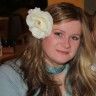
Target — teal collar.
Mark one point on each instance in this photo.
(57, 70)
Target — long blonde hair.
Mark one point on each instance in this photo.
(83, 79)
(94, 28)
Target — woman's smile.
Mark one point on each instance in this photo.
(62, 52)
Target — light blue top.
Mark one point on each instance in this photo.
(12, 83)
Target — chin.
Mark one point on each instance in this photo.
(61, 62)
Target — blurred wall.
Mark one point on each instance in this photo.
(79, 3)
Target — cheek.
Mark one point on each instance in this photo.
(76, 47)
(47, 44)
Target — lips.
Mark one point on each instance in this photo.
(63, 52)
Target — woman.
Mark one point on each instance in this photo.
(58, 60)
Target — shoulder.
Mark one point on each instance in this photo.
(11, 81)
(9, 71)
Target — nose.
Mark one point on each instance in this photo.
(66, 43)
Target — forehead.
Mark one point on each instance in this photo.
(73, 26)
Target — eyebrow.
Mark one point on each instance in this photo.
(65, 32)
(59, 30)
(77, 34)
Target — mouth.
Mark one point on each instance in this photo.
(63, 52)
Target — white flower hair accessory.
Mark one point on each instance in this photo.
(40, 23)
(93, 67)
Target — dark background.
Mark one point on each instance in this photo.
(15, 26)
(9, 6)
(90, 6)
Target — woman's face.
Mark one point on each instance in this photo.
(63, 43)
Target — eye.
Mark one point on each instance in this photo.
(76, 37)
(58, 34)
